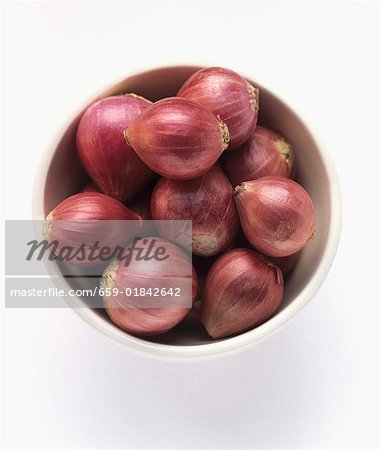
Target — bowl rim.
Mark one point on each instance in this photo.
(233, 344)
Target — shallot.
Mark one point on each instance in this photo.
(207, 201)
(149, 295)
(265, 153)
(242, 290)
(82, 220)
(276, 213)
(229, 96)
(178, 138)
(113, 166)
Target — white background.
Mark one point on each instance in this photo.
(313, 384)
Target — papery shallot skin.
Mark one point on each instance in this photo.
(207, 201)
(242, 290)
(178, 138)
(163, 313)
(265, 153)
(229, 96)
(112, 164)
(79, 220)
(277, 215)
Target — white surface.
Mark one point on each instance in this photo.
(316, 382)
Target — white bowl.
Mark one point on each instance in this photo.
(61, 175)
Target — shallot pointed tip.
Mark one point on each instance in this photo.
(240, 188)
(225, 135)
(108, 277)
(125, 135)
(254, 97)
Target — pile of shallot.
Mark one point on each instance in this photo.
(199, 156)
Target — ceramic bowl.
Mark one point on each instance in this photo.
(61, 175)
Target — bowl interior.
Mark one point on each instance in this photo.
(65, 176)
